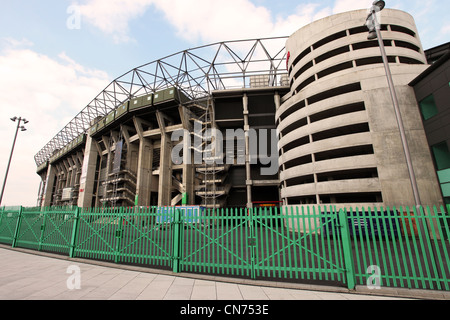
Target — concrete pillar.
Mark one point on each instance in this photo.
(247, 153)
(49, 184)
(165, 165)
(133, 157)
(188, 167)
(165, 172)
(188, 175)
(87, 179)
(67, 171)
(277, 99)
(144, 166)
(70, 180)
(144, 172)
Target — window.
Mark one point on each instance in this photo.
(331, 38)
(428, 107)
(441, 155)
(403, 30)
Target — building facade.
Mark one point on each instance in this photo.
(432, 89)
(152, 146)
(337, 140)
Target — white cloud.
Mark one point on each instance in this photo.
(349, 5)
(445, 30)
(14, 43)
(47, 92)
(112, 16)
(217, 20)
(208, 21)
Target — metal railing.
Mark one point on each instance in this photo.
(384, 247)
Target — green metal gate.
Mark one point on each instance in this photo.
(126, 235)
(297, 244)
(9, 220)
(147, 237)
(30, 228)
(44, 229)
(217, 243)
(57, 230)
(267, 244)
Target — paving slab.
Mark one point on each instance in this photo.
(29, 275)
(204, 290)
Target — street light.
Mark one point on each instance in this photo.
(374, 27)
(22, 128)
(375, 33)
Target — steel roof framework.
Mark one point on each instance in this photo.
(197, 72)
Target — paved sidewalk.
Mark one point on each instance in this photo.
(26, 276)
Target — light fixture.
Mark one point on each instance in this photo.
(372, 34)
(380, 3)
(371, 22)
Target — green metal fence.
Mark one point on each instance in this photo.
(132, 235)
(410, 248)
(387, 247)
(8, 224)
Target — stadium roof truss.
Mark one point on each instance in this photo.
(196, 72)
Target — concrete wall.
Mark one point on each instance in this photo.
(340, 102)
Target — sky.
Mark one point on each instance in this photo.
(58, 55)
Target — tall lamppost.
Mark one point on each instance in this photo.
(22, 128)
(375, 33)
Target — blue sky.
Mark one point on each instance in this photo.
(57, 55)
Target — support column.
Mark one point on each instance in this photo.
(49, 184)
(165, 165)
(87, 179)
(188, 167)
(144, 173)
(277, 99)
(132, 151)
(144, 167)
(249, 182)
(71, 172)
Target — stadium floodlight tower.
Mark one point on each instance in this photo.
(374, 26)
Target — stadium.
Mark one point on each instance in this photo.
(322, 90)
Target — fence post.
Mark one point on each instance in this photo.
(42, 230)
(251, 242)
(73, 240)
(176, 241)
(119, 233)
(2, 212)
(347, 249)
(16, 232)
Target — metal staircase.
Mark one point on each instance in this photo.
(213, 188)
(120, 186)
